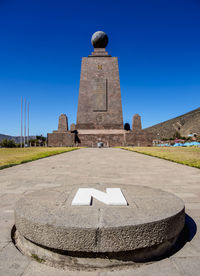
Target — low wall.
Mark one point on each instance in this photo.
(109, 140)
(128, 138)
(138, 139)
(60, 139)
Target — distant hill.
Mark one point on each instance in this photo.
(14, 138)
(185, 124)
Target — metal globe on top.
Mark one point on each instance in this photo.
(99, 39)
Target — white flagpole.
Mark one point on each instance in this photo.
(28, 125)
(21, 122)
(24, 122)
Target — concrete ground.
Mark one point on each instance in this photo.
(94, 166)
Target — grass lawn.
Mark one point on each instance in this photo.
(14, 156)
(188, 156)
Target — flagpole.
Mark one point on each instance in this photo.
(28, 125)
(21, 122)
(24, 122)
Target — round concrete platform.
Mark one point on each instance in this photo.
(148, 226)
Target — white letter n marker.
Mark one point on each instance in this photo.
(113, 196)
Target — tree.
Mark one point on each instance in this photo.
(5, 143)
(127, 126)
(33, 142)
(41, 140)
(177, 135)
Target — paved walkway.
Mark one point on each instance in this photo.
(94, 166)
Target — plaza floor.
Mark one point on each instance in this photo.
(100, 166)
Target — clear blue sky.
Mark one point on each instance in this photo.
(42, 42)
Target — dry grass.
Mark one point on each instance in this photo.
(188, 156)
(14, 156)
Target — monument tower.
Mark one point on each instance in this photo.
(99, 104)
(99, 116)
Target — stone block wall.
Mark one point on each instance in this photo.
(109, 140)
(129, 138)
(59, 139)
(138, 138)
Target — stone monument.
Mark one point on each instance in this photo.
(63, 123)
(99, 116)
(99, 104)
(136, 123)
(72, 127)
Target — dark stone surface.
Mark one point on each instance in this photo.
(99, 39)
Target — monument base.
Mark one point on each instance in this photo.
(83, 260)
(109, 137)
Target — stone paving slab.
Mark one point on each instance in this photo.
(188, 266)
(99, 166)
(12, 262)
(35, 269)
(163, 268)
